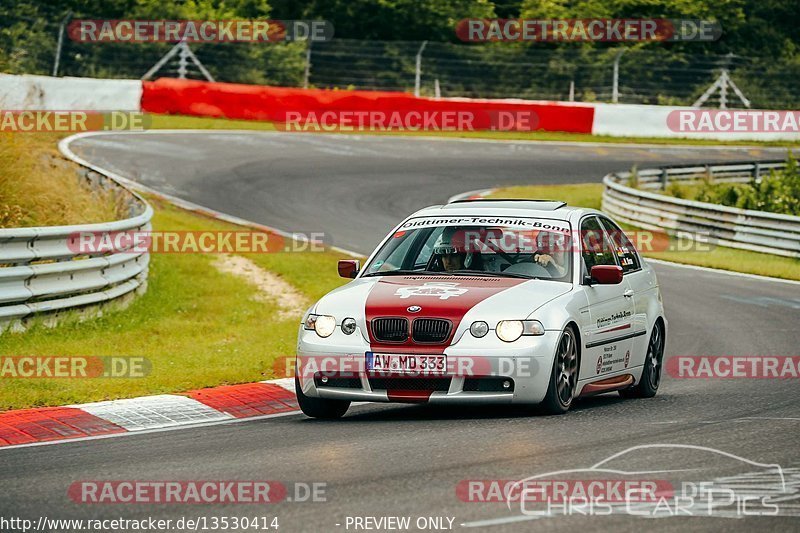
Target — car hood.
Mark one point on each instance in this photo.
(451, 297)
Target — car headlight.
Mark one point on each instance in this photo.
(511, 330)
(348, 326)
(479, 329)
(322, 324)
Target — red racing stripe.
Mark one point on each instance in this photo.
(446, 297)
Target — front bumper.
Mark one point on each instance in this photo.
(526, 363)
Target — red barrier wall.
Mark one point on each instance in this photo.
(255, 102)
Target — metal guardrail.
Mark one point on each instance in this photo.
(758, 231)
(42, 271)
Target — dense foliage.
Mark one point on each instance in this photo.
(779, 192)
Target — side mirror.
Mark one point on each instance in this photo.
(348, 268)
(607, 274)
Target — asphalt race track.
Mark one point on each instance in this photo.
(401, 460)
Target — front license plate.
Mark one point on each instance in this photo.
(406, 363)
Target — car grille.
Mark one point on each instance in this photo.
(422, 384)
(430, 330)
(390, 329)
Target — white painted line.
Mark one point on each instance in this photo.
(154, 412)
(500, 521)
(769, 418)
(465, 195)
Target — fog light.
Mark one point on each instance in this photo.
(506, 384)
(348, 326)
(324, 379)
(479, 329)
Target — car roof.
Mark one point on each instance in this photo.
(552, 209)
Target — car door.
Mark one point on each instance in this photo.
(608, 317)
(641, 281)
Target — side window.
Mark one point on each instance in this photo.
(398, 251)
(625, 250)
(596, 248)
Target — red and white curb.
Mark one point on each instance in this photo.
(202, 407)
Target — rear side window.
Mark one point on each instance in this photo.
(624, 248)
(596, 247)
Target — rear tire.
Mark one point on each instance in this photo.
(563, 375)
(653, 366)
(319, 407)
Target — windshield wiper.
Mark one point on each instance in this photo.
(403, 272)
(492, 274)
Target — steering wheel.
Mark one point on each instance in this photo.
(550, 267)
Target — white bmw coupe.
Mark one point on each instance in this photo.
(487, 301)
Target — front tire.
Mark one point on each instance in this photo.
(653, 365)
(563, 376)
(319, 407)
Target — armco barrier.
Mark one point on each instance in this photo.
(254, 102)
(41, 271)
(758, 231)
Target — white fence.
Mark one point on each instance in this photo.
(727, 226)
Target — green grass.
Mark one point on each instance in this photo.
(196, 326)
(590, 195)
(184, 122)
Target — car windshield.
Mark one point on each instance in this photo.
(508, 247)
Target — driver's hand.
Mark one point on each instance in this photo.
(543, 259)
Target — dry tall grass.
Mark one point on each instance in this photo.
(39, 188)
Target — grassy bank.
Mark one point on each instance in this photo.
(39, 188)
(590, 194)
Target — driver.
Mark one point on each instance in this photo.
(551, 253)
(451, 258)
